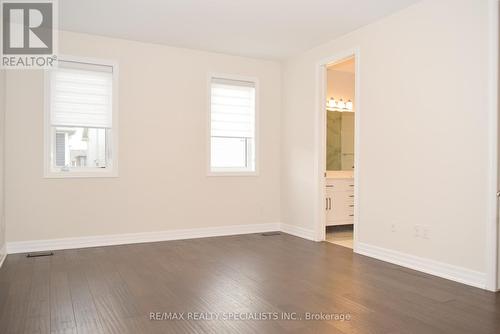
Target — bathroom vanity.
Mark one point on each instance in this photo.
(339, 200)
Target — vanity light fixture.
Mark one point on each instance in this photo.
(331, 103)
(340, 105)
(348, 105)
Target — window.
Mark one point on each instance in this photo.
(80, 137)
(232, 126)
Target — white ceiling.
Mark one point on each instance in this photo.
(272, 29)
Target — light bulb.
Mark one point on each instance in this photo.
(348, 105)
(331, 103)
(341, 104)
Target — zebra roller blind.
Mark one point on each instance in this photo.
(232, 108)
(81, 95)
(232, 125)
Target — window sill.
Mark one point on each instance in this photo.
(80, 174)
(232, 173)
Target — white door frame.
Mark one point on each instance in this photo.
(320, 147)
(492, 236)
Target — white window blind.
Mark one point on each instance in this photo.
(232, 108)
(81, 95)
(232, 125)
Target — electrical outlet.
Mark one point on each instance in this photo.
(417, 231)
(421, 231)
(394, 227)
(425, 232)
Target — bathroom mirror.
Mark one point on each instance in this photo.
(340, 141)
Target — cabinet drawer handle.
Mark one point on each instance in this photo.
(330, 200)
(329, 185)
(351, 195)
(351, 185)
(352, 205)
(351, 215)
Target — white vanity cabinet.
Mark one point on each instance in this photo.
(339, 202)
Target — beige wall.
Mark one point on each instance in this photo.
(162, 156)
(423, 94)
(2, 163)
(340, 85)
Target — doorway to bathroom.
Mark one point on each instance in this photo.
(338, 154)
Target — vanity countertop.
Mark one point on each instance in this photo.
(339, 174)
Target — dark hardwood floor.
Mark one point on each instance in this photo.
(114, 289)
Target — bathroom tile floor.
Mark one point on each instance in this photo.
(341, 235)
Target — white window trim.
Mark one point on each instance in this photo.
(112, 170)
(230, 171)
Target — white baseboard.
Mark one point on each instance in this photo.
(298, 231)
(133, 238)
(3, 253)
(444, 270)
